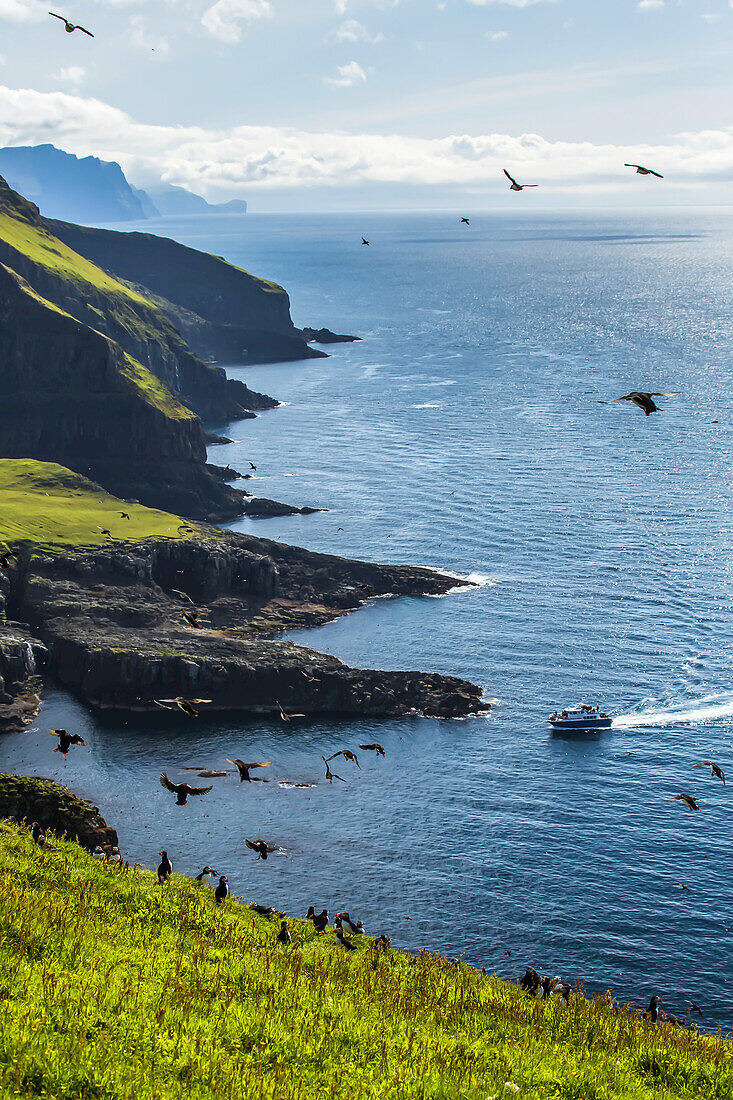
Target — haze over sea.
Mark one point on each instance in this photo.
(464, 433)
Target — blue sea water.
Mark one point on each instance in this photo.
(465, 433)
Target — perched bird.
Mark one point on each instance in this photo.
(259, 846)
(283, 935)
(347, 755)
(165, 868)
(320, 921)
(375, 747)
(244, 769)
(181, 790)
(642, 400)
(465, 221)
(346, 919)
(344, 941)
(688, 800)
(100, 854)
(359, 930)
(518, 186)
(311, 912)
(715, 769)
(530, 980)
(642, 171)
(563, 989)
(222, 889)
(364, 241)
(384, 943)
(287, 717)
(265, 910)
(66, 740)
(188, 706)
(70, 27)
(330, 776)
(124, 515)
(654, 1012)
(37, 834)
(207, 872)
(115, 857)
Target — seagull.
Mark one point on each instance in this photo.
(688, 800)
(66, 740)
(245, 768)
(283, 935)
(188, 706)
(347, 755)
(375, 747)
(715, 769)
(70, 27)
(330, 776)
(518, 186)
(222, 889)
(181, 790)
(259, 846)
(642, 400)
(165, 869)
(124, 515)
(206, 873)
(465, 221)
(364, 241)
(642, 171)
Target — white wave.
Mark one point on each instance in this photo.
(428, 405)
(706, 709)
(476, 580)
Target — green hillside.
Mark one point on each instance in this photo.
(113, 986)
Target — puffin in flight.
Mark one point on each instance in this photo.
(642, 400)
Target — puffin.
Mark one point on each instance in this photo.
(222, 889)
(66, 740)
(207, 872)
(347, 755)
(642, 400)
(654, 1012)
(374, 746)
(344, 941)
(165, 868)
(38, 834)
(244, 769)
(188, 706)
(320, 921)
(259, 846)
(689, 801)
(182, 790)
(283, 935)
(715, 769)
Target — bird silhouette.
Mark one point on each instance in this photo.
(344, 941)
(320, 920)
(695, 1008)
(6, 559)
(654, 1012)
(244, 769)
(261, 847)
(364, 241)
(518, 186)
(188, 706)
(252, 466)
(347, 755)
(165, 868)
(642, 171)
(330, 776)
(70, 27)
(642, 400)
(124, 515)
(105, 532)
(207, 872)
(191, 619)
(715, 769)
(283, 935)
(287, 717)
(181, 790)
(66, 740)
(465, 221)
(222, 889)
(375, 747)
(689, 801)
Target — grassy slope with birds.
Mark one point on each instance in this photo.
(114, 986)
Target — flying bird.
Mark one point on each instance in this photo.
(695, 1008)
(688, 800)
(191, 619)
(375, 747)
(66, 740)
(287, 717)
(715, 769)
(259, 846)
(124, 515)
(642, 171)
(518, 186)
(465, 221)
(165, 869)
(330, 776)
(70, 27)
(183, 595)
(6, 559)
(252, 466)
(364, 241)
(244, 769)
(347, 755)
(188, 706)
(222, 889)
(105, 532)
(181, 790)
(642, 400)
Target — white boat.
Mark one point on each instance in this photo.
(580, 718)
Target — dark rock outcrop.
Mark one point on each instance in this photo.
(325, 336)
(21, 658)
(31, 798)
(111, 621)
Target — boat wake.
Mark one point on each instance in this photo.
(695, 711)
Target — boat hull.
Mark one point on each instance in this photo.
(581, 723)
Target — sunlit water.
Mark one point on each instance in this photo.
(464, 432)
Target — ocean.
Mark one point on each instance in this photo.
(464, 432)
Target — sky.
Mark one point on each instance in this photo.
(383, 104)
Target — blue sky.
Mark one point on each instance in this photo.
(298, 104)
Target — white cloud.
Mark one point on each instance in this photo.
(223, 19)
(353, 31)
(511, 3)
(650, 5)
(711, 17)
(74, 75)
(497, 36)
(348, 75)
(244, 159)
(21, 11)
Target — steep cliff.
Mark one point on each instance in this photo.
(30, 798)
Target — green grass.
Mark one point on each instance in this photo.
(52, 508)
(113, 986)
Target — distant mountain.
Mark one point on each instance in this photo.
(176, 201)
(64, 186)
(89, 190)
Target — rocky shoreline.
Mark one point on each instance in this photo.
(32, 798)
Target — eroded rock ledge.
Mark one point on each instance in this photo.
(31, 798)
(111, 622)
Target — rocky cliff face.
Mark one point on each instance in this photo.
(26, 798)
(111, 621)
(21, 659)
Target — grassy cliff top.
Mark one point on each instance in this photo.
(114, 986)
(55, 509)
